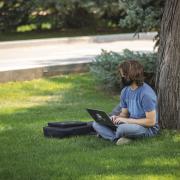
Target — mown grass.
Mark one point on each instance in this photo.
(13, 36)
(25, 107)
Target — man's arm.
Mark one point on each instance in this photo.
(123, 113)
(149, 121)
(116, 111)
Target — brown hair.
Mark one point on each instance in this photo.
(132, 70)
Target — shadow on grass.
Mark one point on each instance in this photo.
(26, 154)
(62, 104)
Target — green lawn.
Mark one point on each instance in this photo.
(55, 34)
(25, 107)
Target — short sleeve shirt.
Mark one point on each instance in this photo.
(139, 101)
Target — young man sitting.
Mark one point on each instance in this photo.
(138, 117)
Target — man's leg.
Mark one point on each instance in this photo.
(104, 131)
(132, 131)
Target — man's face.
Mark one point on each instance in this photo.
(126, 81)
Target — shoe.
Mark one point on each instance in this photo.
(123, 140)
(98, 135)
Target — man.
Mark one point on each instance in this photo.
(138, 117)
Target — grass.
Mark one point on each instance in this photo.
(57, 33)
(25, 107)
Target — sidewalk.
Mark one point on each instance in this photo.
(26, 60)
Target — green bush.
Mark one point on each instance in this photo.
(144, 15)
(17, 15)
(104, 67)
(14, 13)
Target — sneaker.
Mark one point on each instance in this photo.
(123, 140)
(98, 135)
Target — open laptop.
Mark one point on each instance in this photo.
(101, 117)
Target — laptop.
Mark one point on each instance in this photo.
(101, 117)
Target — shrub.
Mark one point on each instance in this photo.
(58, 14)
(104, 67)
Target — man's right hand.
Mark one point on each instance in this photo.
(113, 118)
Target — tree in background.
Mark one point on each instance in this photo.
(14, 13)
(142, 15)
(168, 68)
(59, 14)
(139, 15)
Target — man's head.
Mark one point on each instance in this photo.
(131, 72)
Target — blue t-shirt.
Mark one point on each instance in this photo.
(139, 101)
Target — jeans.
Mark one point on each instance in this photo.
(122, 130)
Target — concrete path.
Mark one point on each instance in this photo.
(56, 52)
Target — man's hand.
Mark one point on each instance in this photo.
(113, 118)
(149, 121)
(118, 120)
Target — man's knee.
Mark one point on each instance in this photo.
(95, 125)
(121, 130)
(129, 130)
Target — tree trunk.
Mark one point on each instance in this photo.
(168, 67)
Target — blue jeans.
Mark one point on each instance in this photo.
(122, 130)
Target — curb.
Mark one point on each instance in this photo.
(36, 73)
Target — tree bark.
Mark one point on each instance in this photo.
(168, 67)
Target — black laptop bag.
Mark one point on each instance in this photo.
(66, 129)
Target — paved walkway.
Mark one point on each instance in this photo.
(21, 55)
